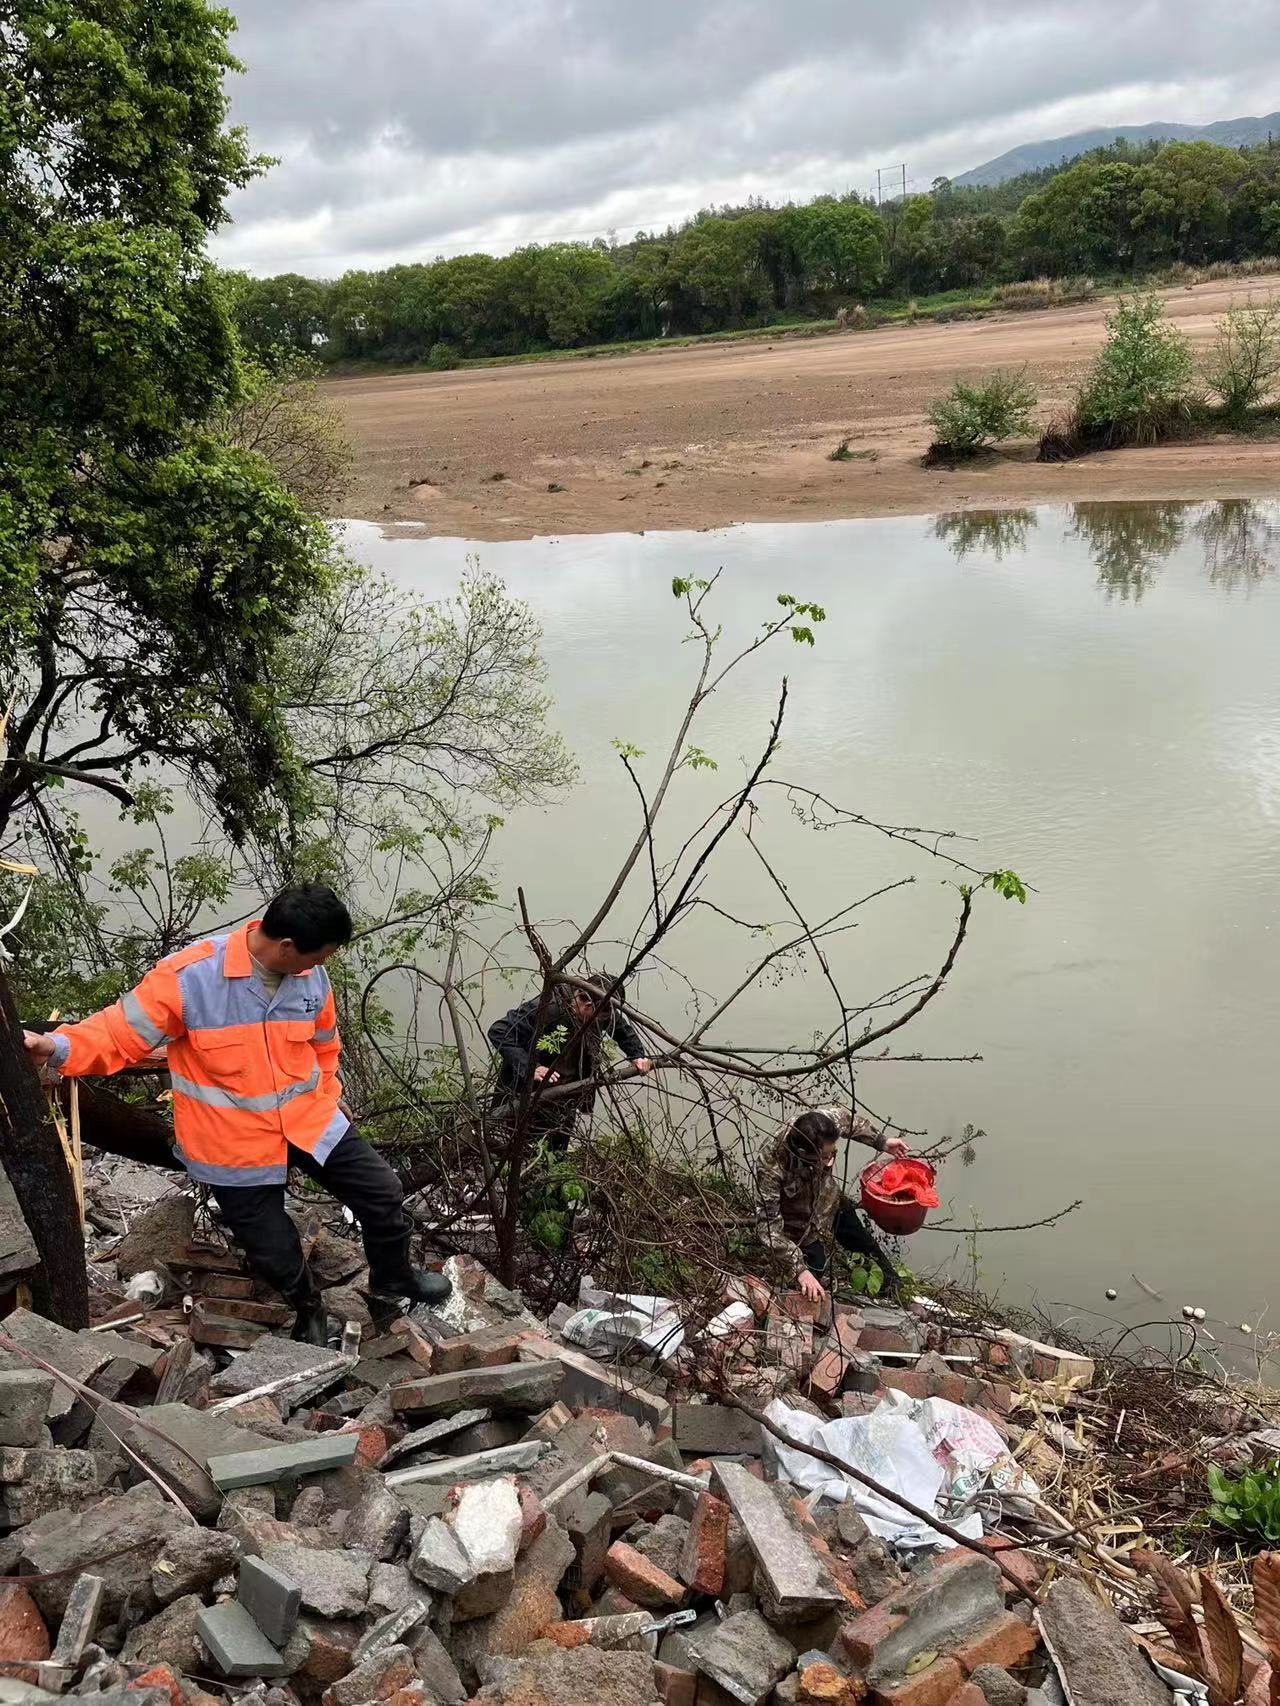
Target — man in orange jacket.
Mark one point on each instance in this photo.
(248, 1024)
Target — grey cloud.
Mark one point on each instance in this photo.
(405, 127)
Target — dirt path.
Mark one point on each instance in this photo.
(715, 434)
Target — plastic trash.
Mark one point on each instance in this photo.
(145, 1287)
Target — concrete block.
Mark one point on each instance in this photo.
(743, 1656)
(439, 1559)
(271, 1598)
(236, 1644)
(378, 1523)
(431, 1437)
(589, 1525)
(191, 1561)
(480, 1466)
(25, 1399)
(175, 1434)
(280, 1462)
(59, 1545)
(272, 1359)
(936, 1685)
(378, 1678)
(332, 1584)
(716, 1430)
(797, 1583)
(1095, 1652)
(39, 1480)
(436, 1668)
(391, 1588)
(933, 1612)
(168, 1638)
(529, 1387)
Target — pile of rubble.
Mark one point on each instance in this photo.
(462, 1506)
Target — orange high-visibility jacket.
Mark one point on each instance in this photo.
(251, 1073)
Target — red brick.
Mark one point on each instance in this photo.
(861, 1637)
(884, 1339)
(702, 1565)
(23, 1635)
(489, 1348)
(533, 1519)
(997, 1396)
(569, 1635)
(906, 1380)
(330, 1646)
(814, 1310)
(1006, 1642)
(932, 1687)
(1029, 1570)
(824, 1685)
(641, 1579)
(828, 1375)
(675, 1687)
(159, 1676)
(373, 1446)
(969, 1695)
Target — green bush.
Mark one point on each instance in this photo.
(1250, 1505)
(1242, 365)
(972, 416)
(442, 358)
(1139, 386)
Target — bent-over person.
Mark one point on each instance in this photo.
(565, 1047)
(802, 1210)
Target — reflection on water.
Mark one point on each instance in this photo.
(1130, 543)
(995, 531)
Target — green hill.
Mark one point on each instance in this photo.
(1035, 156)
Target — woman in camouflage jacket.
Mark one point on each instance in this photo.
(801, 1208)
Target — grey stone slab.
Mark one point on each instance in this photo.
(1093, 1650)
(170, 1436)
(378, 1523)
(79, 1620)
(271, 1598)
(425, 1439)
(798, 1584)
(744, 1656)
(18, 1253)
(590, 1385)
(276, 1463)
(236, 1644)
(439, 1559)
(524, 1386)
(81, 1355)
(451, 1471)
(273, 1359)
(390, 1631)
(436, 1668)
(332, 1584)
(57, 1546)
(168, 1638)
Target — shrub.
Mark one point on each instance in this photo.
(1043, 292)
(972, 416)
(1244, 360)
(442, 358)
(1140, 383)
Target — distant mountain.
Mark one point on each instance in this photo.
(1033, 156)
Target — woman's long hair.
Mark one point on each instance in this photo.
(806, 1137)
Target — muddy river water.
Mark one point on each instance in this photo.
(1092, 694)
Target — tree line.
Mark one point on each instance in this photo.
(1123, 210)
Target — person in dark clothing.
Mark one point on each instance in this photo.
(565, 1048)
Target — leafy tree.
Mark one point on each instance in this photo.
(839, 245)
(281, 416)
(287, 313)
(148, 568)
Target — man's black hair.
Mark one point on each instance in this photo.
(309, 915)
(809, 1133)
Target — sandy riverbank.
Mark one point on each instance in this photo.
(709, 435)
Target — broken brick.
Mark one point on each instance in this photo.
(641, 1579)
(932, 1687)
(1007, 1642)
(675, 1687)
(703, 1559)
(159, 1676)
(824, 1685)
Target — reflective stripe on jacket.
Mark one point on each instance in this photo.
(251, 1073)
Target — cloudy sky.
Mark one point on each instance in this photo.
(407, 129)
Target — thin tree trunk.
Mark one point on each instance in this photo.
(33, 1157)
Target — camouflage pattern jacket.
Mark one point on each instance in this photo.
(797, 1204)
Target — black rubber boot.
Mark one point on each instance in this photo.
(415, 1284)
(311, 1325)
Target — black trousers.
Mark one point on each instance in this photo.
(360, 1179)
(851, 1234)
